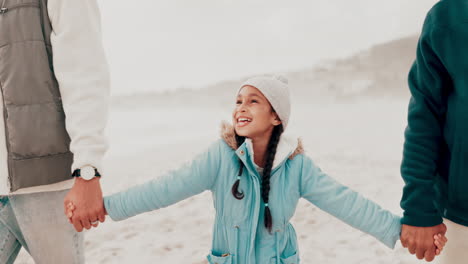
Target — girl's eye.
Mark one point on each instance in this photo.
(238, 102)
(254, 101)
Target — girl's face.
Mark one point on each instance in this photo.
(253, 115)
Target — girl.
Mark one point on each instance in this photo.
(257, 176)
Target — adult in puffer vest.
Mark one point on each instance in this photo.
(257, 176)
(54, 85)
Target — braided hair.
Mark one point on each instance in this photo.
(235, 188)
(269, 159)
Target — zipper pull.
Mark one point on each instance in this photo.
(3, 10)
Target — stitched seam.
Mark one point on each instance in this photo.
(5, 241)
(30, 104)
(13, 256)
(21, 41)
(41, 157)
(76, 247)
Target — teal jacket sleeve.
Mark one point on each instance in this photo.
(348, 205)
(429, 84)
(170, 188)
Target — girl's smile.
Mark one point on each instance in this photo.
(243, 121)
(253, 116)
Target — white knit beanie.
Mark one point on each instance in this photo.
(275, 89)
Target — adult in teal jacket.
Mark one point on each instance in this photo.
(435, 157)
(257, 176)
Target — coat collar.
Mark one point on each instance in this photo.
(288, 147)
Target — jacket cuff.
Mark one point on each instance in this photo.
(393, 233)
(112, 208)
(421, 220)
(88, 159)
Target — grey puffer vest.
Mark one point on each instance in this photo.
(37, 141)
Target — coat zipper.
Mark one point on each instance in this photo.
(278, 259)
(4, 9)
(236, 250)
(255, 214)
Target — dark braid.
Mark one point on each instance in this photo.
(269, 159)
(235, 188)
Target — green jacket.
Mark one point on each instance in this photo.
(435, 156)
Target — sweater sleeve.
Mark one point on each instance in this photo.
(172, 187)
(428, 83)
(348, 205)
(81, 70)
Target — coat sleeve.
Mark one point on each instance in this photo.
(429, 84)
(82, 72)
(170, 188)
(348, 205)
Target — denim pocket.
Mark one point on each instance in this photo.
(3, 201)
(212, 259)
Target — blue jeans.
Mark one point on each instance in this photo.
(37, 222)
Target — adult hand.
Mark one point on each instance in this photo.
(420, 240)
(86, 196)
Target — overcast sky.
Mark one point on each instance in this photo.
(162, 45)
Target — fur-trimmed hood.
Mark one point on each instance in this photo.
(288, 147)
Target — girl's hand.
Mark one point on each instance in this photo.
(69, 211)
(439, 241)
(70, 208)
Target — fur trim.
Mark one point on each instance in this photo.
(229, 136)
(299, 149)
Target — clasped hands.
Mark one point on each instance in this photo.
(425, 242)
(83, 205)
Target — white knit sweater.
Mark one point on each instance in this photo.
(82, 73)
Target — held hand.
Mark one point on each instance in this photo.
(439, 241)
(420, 240)
(69, 212)
(86, 199)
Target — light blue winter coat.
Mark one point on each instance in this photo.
(238, 229)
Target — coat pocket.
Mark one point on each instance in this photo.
(20, 19)
(294, 259)
(213, 259)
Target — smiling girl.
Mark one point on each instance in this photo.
(257, 176)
